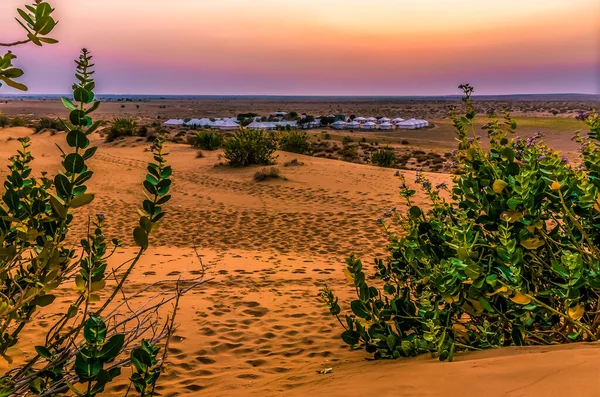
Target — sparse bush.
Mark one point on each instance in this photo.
(267, 173)
(207, 140)
(510, 259)
(293, 163)
(17, 122)
(4, 122)
(383, 158)
(199, 154)
(121, 127)
(405, 142)
(46, 123)
(347, 140)
(294, 142)
(326, 136)
(248, 147)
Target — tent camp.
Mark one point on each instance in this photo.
(385, 126)
(228, 125)
(339, 125)
(173, 122)
(408, 125)
(369, 125)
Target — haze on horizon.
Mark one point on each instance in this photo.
(318, 47)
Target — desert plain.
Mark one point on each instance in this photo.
(256, 326)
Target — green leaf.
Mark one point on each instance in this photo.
(94, 330)
(74, 163)
(68, 104)
(112, 348)
(140, 237)
(140, 359)
(86, 368)
(60, 209)
(15, 85)
(78, 118)
(44, 300)
(77, 139)
(359, 309)
(62, 185)
(93, 108)
(82, 200)
(12, 73)
(351, 337)
(89, 153)
(415, 212)
(43, 352)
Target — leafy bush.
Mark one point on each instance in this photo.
(3, 121)
(120, 127)
(295, 142)
(384, 158)
(347, 140)
(46, 123)
(511, 259)
(248, 147)
(86, 344)
(207, 140)
(405, 142)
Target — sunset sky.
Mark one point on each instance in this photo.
(318, 47)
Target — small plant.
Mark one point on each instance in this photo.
(405, 142)
(511, 259)
(199, 154)
(293, 163)
(17, 122)
(384, 157)
(248, 147)
(267, 173)
(121, 127)
(207, 140)
(326, 136)
(295, 142)
(46, 123)
(347, 140)
(4, 121)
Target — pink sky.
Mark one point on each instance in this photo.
(319, 47)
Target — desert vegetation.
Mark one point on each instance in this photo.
(506, 256)
(250, 147)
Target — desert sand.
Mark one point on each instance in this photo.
(257, 327)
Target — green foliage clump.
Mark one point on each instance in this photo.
(46, 123)
(249, 147)
(85, 344)
(510, 258)
(207, 140)
(346, 140)
(295, 142)
(384, 158)
(121, 127)
(38, 22)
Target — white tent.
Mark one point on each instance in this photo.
(174, 122)
(193, 122)
(369, 125)
(371, 119)
(384, 120)
(353, 125)
(360, 119)
(408, 125)
(258, 125)
(397, 120)
(228, 125)
(385, 126)
(339, 125)
(420, 123)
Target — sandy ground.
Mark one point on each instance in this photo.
(257, 327)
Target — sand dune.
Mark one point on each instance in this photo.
(257, 328)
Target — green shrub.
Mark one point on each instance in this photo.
(4, 122)
(207, 140)
(248, 147)
(383, 158)
(295, 142)
(347, 140)
(405, 142)
(88, 340)
(510, 259)
(121, 127)
(17, 122)
(46, 123)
